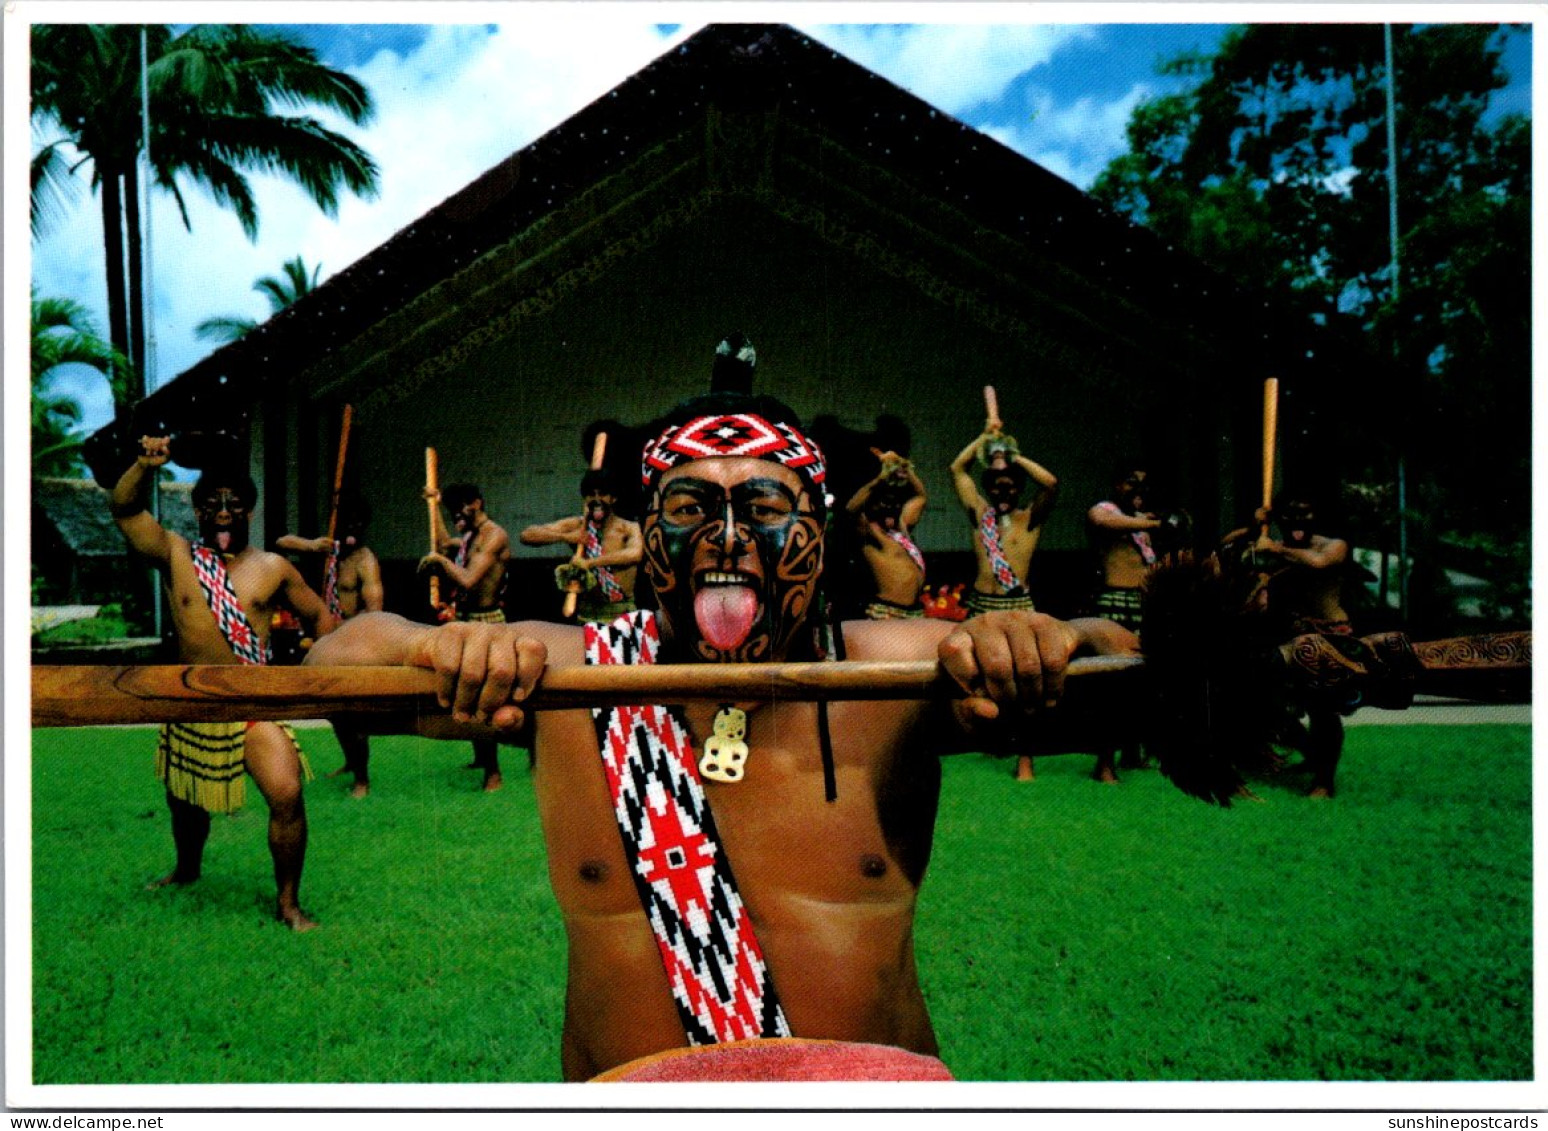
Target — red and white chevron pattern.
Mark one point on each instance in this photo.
(719, 979)
(736, 434)
(331, 583)
(610, 587)
(222, 599)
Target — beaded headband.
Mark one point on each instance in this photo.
(735, 434)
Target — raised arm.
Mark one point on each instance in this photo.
(571, 530)
(967, 491)
(914, 509)
(1044, 478)
(126, 503)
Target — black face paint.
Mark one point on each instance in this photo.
(223, 521)
(699, 533)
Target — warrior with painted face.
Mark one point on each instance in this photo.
(1120, 529)
(223, 592)
(1007, 531)
(607, 549)
(352, 583)
(481, 553)
(885, 511)
(1304, 570)
(747, 871)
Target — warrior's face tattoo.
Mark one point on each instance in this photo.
(223, 520)
(1297, 523)
(734, 552)
(1131, 492)
(599, 506)
(1004, 493)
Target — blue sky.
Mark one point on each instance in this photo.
(454, 99)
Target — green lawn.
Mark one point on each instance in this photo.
(1067, 930)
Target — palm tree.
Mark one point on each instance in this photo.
(63, 334)
(214, 90)
(281, 290)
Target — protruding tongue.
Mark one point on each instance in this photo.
(223, 540)
(725, 614)
(598, 514)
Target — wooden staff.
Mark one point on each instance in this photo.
(338, 477)
(81, 695)
(1270, 435)
(992, 409)
(572, 588)
(432, 483)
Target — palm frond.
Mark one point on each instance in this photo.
(224, 328)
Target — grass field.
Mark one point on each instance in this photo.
(1067, 930)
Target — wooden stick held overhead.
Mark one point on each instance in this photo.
(1270, 439)
(338, 476)
(81, 695)
(992, 408)
(432, 483)
(572, 589)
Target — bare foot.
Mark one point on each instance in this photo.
(296, 919)
(171, 879)
(493, 781)
(1105, 775)
(361, 789)
(1024, 769)
(336, 773)
(1244, 794)
(1321, 793)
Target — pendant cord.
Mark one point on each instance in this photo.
(824, 738)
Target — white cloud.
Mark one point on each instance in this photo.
(465, 100)
(1075, 141)
(468, 97)
(952, 66)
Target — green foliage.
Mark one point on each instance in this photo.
(294, 282)
(63, 333)
(220, 98)
(108, 624)
(1067, 930)
(1274, 169)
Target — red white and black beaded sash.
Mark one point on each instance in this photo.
(909, 547)
(593, 549)
(331, 583)
(989, 535)
(719, 979)
(222, 599)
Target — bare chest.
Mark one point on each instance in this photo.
(786, 842)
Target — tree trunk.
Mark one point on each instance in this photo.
(137, 280)
(117, 300)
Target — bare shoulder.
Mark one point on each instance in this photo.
(900, 640)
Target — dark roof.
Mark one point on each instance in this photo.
(981, 186)
(78, 510)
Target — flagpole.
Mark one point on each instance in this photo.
(1392, 237)
(148, 291)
